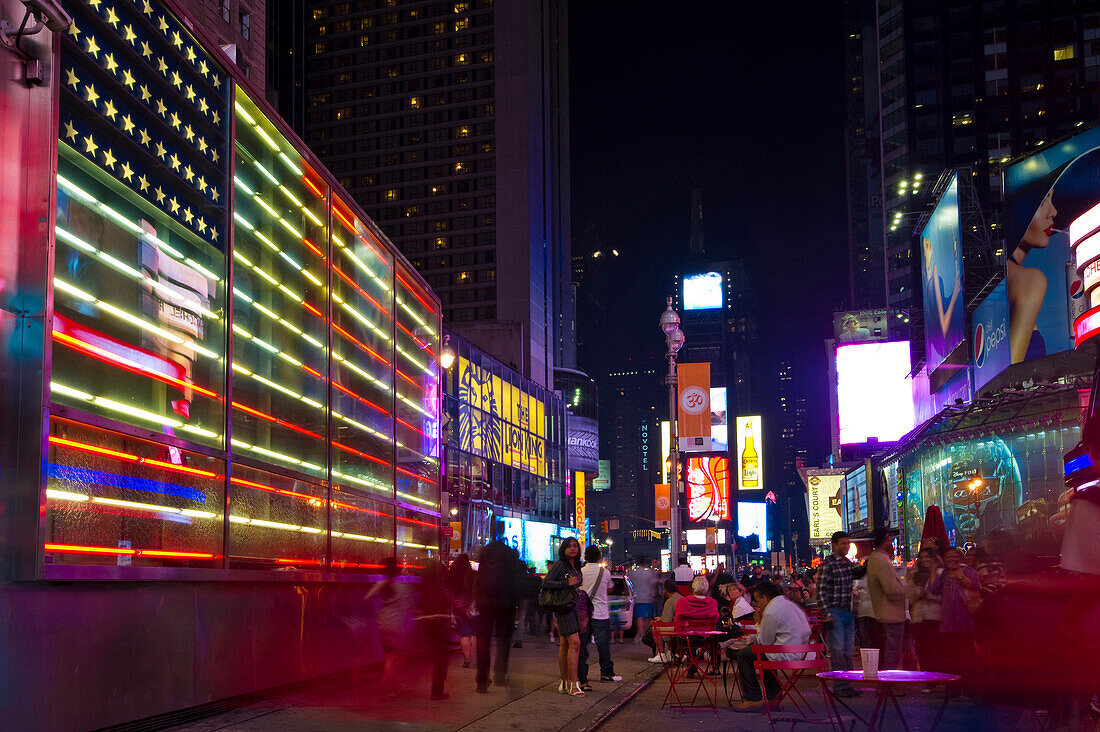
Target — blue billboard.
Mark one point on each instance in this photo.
(942, 269)
(989, 336)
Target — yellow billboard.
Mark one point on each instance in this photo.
(500, 421)
(825, 502)
(749, 457)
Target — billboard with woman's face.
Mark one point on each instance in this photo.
(942, 266)
(1044, 194)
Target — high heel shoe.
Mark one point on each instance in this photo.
(575, 689)
(562, 688)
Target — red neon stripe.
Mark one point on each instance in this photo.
(340, 215)
(313, 310)
(338, 504)
(418, 523)
(351, 227)
(182, 555)
(352, 394)
(75, 549)
(95, 449)
(407, 378)
(312, 186)
(414, 475)
(411, 566)
(358, 564)
(316, 251)
(313, 371)
(262, 487)
(278, 421)
(362, 292)
(126, 364)
(406, 424)
(359, 343)
(360, 453)
(285, 560)
(414, 293)
(420, 344)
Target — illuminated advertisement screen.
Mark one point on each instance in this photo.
(942, 268)
(989, 336)
(825, 501)
(708, 487)
(874, 396)
(750, 453)
(719, 425)
(860, 326)
(1050, 228)
(703, 291)
(752, 518)
(857, 499)
(499, 420)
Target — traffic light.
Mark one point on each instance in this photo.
(603, 527)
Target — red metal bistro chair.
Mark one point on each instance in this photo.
(789, 673)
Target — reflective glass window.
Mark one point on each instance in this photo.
(362, 531)
(275, 522)
(417, 539)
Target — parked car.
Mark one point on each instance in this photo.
(620, 603)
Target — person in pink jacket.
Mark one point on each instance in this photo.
(698, 608)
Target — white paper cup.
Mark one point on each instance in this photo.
(869, 656)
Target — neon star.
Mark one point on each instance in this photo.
(70, 131)
(111, 17)
(95, 3)
(188, 173)
(188, 215)
(202, 144)
(203, 106)
(145, 137)
(147, 9)
(201, 224)
(160, 151)
(174, 161)
(109, 109)
(72, 79)
(145, 50)
(93, 47)
(175, 120)
(127, 78)
(203, 67)
(176, 80)
(217, 118)
(176, 40)
(74, 31)
(127, 124)
(89, 145)
(189, 133)
(214, 156)
(190, 92)
(213, 234)
(214, 194)
(202, 184)
(161, 109)
(129, 33)
(174, 204)
(217, 82)
(92, 96)
(143, 182)
(145, 95)
(127, 171)
(163, 25)
(160, 195)
(191, 54)
(161, 66)
(110, 59)
(109, 159)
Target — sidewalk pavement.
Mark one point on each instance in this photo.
(530, 701)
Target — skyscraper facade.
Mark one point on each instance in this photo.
(965, 84)
(448, 122)
(239, 28)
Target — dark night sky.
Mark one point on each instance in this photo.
(744, 100)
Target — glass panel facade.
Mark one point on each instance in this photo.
(119, 500)
(167, 262)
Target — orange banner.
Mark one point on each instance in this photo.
(662, 504)
(694, 405)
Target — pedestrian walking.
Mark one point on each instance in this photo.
(434, 617)
(566, 575)
(596, 581)
(496, 595)
(390, 602)
(957, 586)
(888, 599)
(643, 579)
(460, 588)
(835, 579)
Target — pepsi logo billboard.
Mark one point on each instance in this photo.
(989, 336)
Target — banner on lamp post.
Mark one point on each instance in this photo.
(694, 406)
(578, 488)
(662, 505)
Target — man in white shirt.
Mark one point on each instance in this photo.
(644, 581)
(781, 622)
(596, 581)
(683, 574)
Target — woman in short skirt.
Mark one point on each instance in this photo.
(566, 572)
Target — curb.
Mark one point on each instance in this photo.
(622, 702)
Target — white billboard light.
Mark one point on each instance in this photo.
(874, 396)
(703, 291)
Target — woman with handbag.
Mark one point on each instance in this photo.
(562, 595)
(460, 587)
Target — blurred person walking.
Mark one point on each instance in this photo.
(644, 580)
(392, 605)
(835, 580)
(596, 581)
(460, 587)
(496, 594)
(566, 575)
(924, 608)
(888, 599)
(957, 586)
(434, 616)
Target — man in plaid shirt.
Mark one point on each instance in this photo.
(834, 589)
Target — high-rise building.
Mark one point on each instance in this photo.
(957, 84)
(239, 28)
(449, 124)
(793, 433)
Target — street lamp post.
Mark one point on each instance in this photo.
(674, 340)
(975, 487)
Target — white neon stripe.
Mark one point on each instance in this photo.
(65, 495)
(241, 111)
(71, 392)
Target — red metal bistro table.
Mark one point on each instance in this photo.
(886, 681)
(694, 644)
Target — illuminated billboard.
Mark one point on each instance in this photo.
(499, 420)
(1050, 205)
(752, 518)
(874, 396)
(825, 502)
(942, 267)
(719, 424)
(857, 500)
(708, 487)
(861, 326)
(989, 336)
(703, 291)
(750, 453)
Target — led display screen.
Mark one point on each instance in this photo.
(750, 453)
(874, 397)
(942, 267)
(698, 537)
(860, 326)
(708, 487)
(703, 291)
(719, 420)
(857, 500)
(825, 500)
(989, 336)
(752, 518)
(499, 420)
